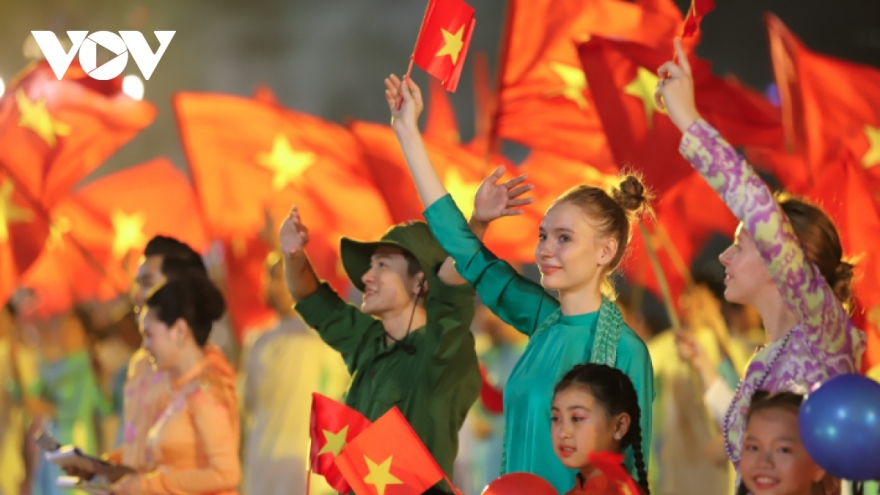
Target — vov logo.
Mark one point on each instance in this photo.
(87, 45)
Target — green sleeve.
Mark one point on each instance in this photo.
(341, 325)
(515, 299)
(635, 361)
(450, 314)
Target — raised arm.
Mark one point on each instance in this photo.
(340, 325)
(804, 289)
(298, 272)
(406, 104)
(512, 297)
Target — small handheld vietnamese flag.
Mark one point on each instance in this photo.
(333, 425)
(444, 39)
(388, 458)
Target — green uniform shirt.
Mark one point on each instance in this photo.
(433, 387)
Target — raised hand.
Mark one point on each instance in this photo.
(675, 90)
(293, 235)
(405, 102)
(494, 200)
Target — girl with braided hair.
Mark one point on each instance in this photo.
(596, 412)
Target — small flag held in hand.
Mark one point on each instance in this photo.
(444, 39)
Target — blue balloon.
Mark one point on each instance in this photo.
(840, 427)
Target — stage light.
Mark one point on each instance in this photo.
(2, 86)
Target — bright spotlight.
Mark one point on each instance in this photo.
(2, 86)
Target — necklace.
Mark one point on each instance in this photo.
(734, 404)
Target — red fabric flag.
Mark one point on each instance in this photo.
(23, 231)
(444, 40)
(544, 100)
(99, 232)
(698, 10)
(245, 262)
(623, 80)
(441, 123)
(373, 465)
(54, 133)
(333, 426)
(827, 103)
(247, 156)
(611, 465)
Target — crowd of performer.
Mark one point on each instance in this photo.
(686, 412)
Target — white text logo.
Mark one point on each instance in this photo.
(87, 45)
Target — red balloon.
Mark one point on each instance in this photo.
(520, 484)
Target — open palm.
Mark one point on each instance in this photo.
(494, 200)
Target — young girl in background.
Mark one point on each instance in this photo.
(596, 410)
(774, 461)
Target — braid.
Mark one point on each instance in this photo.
(639, 458)
(611, 387)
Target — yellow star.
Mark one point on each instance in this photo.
(380, 475)
(575, 82)
(129, 232)
(462, 191)
(36, 117)
(872, 156)
(287, 163)
(9, 211)
(57, 229)
(452, 44)
(642, 87)
(335, 442)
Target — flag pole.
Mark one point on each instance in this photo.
(309, 469)
(421, 27)
(661, 277)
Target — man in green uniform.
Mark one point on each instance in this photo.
(409, 345)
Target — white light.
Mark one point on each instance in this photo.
(2, 86)
(133, 87)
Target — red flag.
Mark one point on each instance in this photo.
(247, 156)
(98, 233)
(698, 10)
(441, 123)
(333, 426)
(54, 133)
(544, 100)
(444, 40)
(245, 262)
(623, 80)
(23, 231)
(373, 465)
(827, 103)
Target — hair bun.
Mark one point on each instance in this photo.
(631, 194)
(209, 300)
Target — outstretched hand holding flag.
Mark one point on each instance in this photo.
(443, 40)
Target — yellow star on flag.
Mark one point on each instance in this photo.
(9, 211)
(335, 442)
(462, 191)
(380, 475)
(36, 117)
(642, 87)
(287, 164)
(129, 232)
(872, 156)
(574, 80)
(57, 229)
(452, 44)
